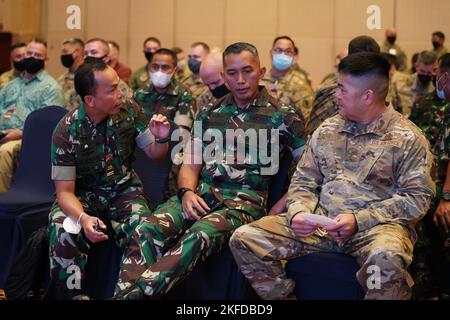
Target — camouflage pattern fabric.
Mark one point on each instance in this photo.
(140, 78)
(396, 51)
(176, 103)
(324, 105)
(6, 78)
(98, 158)
(67, 83)
(380, 173)
(167, 246)
(259, 247)
(291, 90)
(195, 85)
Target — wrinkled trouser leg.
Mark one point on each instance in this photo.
(166, 246)
(259, 247)
(69, 253)
(384, 253)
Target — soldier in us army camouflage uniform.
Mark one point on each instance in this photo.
(140, 78)
(197, 53)
(72, 56)
(325, 105)
(369, 171)
(196, 224)
(165, 95)
(285, 84)
(92, 154)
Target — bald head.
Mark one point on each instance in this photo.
(211, 70)
(391, 32)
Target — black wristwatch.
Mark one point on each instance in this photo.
(446, 196)
(162, 141)
(182, 192)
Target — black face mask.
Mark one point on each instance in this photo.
(148, 55)
(67, 60)
(391, 40)
(436, 45)
(194, 65)
(424, 79)
(19, 65)
(33, 65)
(220, 91)
(93, 59)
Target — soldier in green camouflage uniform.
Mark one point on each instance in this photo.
(194, 225)
(170, 99)
(92, 154)
(140, 78)
(325, 105)
(433, 264)
(370, 173)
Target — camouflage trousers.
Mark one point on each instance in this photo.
(259, 247)
(166, 246)
(122, 211)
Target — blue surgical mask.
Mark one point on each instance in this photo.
(440, 92)
(281, 61)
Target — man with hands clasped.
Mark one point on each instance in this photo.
(368, 170)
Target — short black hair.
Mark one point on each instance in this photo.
(17, 45)
(153, 39)
(365, 63)
(167, 52)
(390, 58)
(363, 44)
(284, 38)
(237, 48)
(85, 78)
(439, 34)
(444, 63)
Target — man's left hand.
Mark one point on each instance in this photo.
(160, 126)
(345, 227)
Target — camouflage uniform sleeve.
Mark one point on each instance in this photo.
(303, 194)
(193, 152)
(185, 110)
(144, 137)
(63, 153)
(415, 189)
(292, 131)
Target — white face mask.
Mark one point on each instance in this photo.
(440, 92)
(160, 79)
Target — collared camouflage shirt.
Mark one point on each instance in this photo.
(380, 172)
(243, 185)
(176, 103)
(98, 156)
(195, 85)
(67, 83)
(140, 78)
(291, 90)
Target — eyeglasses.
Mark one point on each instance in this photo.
(288, 51)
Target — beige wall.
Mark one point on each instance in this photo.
(321, 28)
